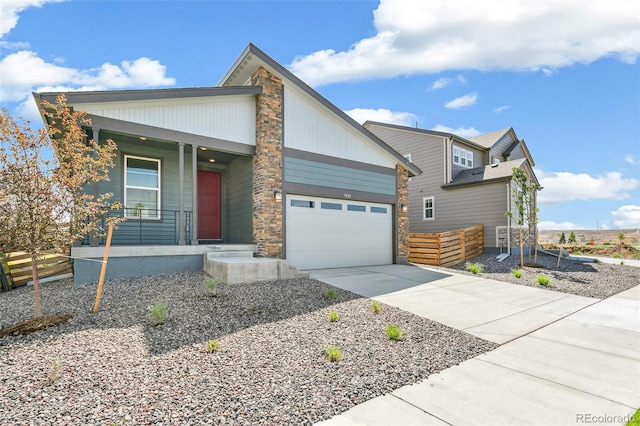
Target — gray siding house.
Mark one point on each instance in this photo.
(465, 181)
(259, 162)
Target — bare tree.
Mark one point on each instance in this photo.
(44, 202)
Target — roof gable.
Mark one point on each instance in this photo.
(487, 140)
(252, 58)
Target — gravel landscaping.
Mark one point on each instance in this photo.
(599, 280)
(118, 367)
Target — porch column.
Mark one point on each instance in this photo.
(194, 195)
(181, 193)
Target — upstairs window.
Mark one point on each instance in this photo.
(141, 187)
(462, 157)
(429, 204)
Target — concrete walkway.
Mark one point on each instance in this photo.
(577, 362)
(493, 310)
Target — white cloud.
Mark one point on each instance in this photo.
(626, 217)
(462, 101)
(24, 71)
(14, 45)
(383, 115)
(10, 10)
(441, 83)
(631, 159)
(465, 132)
(548, 225)
(518, 35)
(565, 186)
(501, 109)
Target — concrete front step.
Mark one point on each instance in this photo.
(218, 254)
(237, 270)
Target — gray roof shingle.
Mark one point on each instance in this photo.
(485, 174)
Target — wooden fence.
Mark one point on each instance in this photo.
(446, 248)
(52, 263)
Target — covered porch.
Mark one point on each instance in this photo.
(175, 188)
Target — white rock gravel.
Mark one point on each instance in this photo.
(599, 280)
(116, 367)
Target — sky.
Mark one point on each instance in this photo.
(563, 73)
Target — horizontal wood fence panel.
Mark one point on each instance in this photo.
(446, 248)
(51, 263)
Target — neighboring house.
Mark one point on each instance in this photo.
(260, 162)
(465, 181)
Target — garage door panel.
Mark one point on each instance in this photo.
(342, 234)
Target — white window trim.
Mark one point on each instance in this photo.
(159, 189)
(433, 208)
(463, 155)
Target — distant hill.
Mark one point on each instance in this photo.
(631, 236)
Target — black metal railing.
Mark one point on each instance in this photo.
(147, 227)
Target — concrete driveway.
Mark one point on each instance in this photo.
(492, 310)
(576, 362)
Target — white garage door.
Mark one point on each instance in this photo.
(331, 233)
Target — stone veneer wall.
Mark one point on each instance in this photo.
(267, 166)
(402, 188)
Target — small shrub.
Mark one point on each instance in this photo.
(617, 255)
(376, 307)
(333, 316)
(394, 332)
(213, 346)
(53, 371)
(330, 294)
(211, 284)
(158, 312)
(562, 239)
(543, 280)
(622, 262)
(334, 354)
(606, 243)
(474, 268)
(516, 272)
(596, 260)
(254, 308)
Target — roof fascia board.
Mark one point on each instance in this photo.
(453, 137)
(475, 183)
(152, 94)
(285, 73)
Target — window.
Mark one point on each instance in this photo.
(408, 156)
(378, 209)
(356, 208)
(429, 208)
(330, 206)
(302, 203)
(141, 187)
(462, 157)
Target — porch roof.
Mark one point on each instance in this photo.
(147, 94)
(168, 135)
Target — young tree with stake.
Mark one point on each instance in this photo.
(44, 203)
(526, 212)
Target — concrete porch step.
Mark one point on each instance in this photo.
(218, 254)
(237, 270)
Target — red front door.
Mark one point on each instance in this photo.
(209, 226)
